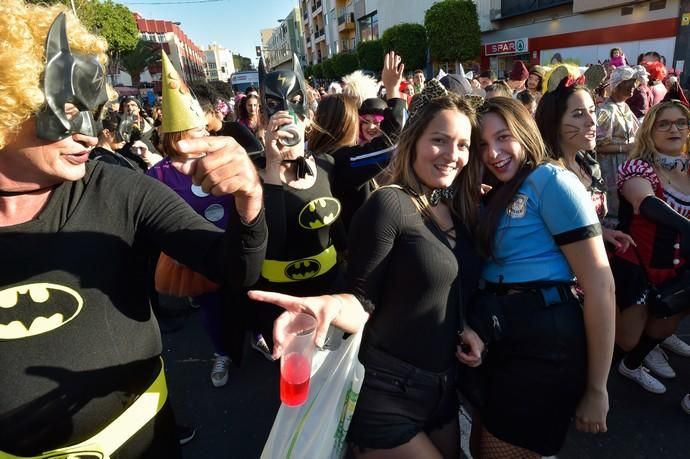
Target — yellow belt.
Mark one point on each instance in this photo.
(299, 270)
(115, 434)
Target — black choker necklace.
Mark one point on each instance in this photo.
(19, 193)
(441, 193)
(303, 167)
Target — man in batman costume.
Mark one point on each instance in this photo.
(301, 211)
(79, 346)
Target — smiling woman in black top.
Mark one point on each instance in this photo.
(411, 267)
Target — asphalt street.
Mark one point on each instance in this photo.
(233, 422)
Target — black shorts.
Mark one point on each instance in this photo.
(535, 373)
(399, 400)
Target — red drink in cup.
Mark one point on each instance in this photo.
(294, 379)
(295, 365)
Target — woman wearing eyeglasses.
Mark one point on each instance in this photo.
(654, 187)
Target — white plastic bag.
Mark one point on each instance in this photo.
(317, 429)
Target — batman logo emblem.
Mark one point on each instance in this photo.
(319, 213)
(305, 268)
(32, 309)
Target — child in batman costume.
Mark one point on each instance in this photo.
(79, 346)
(301, 210)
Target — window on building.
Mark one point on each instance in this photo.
(369, 27)
(518, 7)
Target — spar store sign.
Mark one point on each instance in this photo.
(517, 46)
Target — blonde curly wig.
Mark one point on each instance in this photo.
(23, 32)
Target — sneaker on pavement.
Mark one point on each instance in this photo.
(185, 434)
(219, 373)
(685, 403)
(259, 344)
(676, 345)
(642, 377)
(657, 362)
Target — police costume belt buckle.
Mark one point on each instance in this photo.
(115, 434)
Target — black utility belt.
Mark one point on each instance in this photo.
(550, 292)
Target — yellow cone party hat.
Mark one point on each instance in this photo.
(181, 111)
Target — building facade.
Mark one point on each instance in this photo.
(314, 17)
(577, 31)
(186, 56)
(218, 65)
(282, 42)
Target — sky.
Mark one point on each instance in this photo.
(233, 24)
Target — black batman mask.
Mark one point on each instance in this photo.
(283, 89)
(74, 87)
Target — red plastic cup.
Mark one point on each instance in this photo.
(295, 364)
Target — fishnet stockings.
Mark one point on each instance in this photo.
(491, 447)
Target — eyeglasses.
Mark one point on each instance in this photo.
(665, 125)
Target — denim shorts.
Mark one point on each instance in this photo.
(399, 400)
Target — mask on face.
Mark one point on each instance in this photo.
(283, 90)
(74, 87)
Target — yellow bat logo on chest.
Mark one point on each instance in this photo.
(33, 309)
(319, 213)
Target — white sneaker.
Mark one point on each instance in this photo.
(657, 362)
(685, 403)
(676, 345)
(219, 373)
(642, 377)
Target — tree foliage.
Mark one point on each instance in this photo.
(409, 41)
(327, 69)
(448, 41)
(317, 70)
(241, 63)
(223, 88)
(136, 61)
(114, 22)
(370, 55)
(344, 64)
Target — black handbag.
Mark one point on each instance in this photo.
(668, 298)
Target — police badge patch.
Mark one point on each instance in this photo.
(518, 206)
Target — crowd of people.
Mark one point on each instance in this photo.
(501, 241)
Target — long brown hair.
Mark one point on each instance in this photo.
(644, 147)
(525, 131)
(335, 124)
(550, 113)
(400, 171)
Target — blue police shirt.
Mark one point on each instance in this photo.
(550, 209)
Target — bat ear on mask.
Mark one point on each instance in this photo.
(297, 67)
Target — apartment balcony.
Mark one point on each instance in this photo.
(319, 36)
(346, 22)
(316, 8)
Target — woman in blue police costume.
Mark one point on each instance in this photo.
(548, 358)
(412, 267)
(80, 354)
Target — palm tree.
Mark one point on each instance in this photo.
(137, 60)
